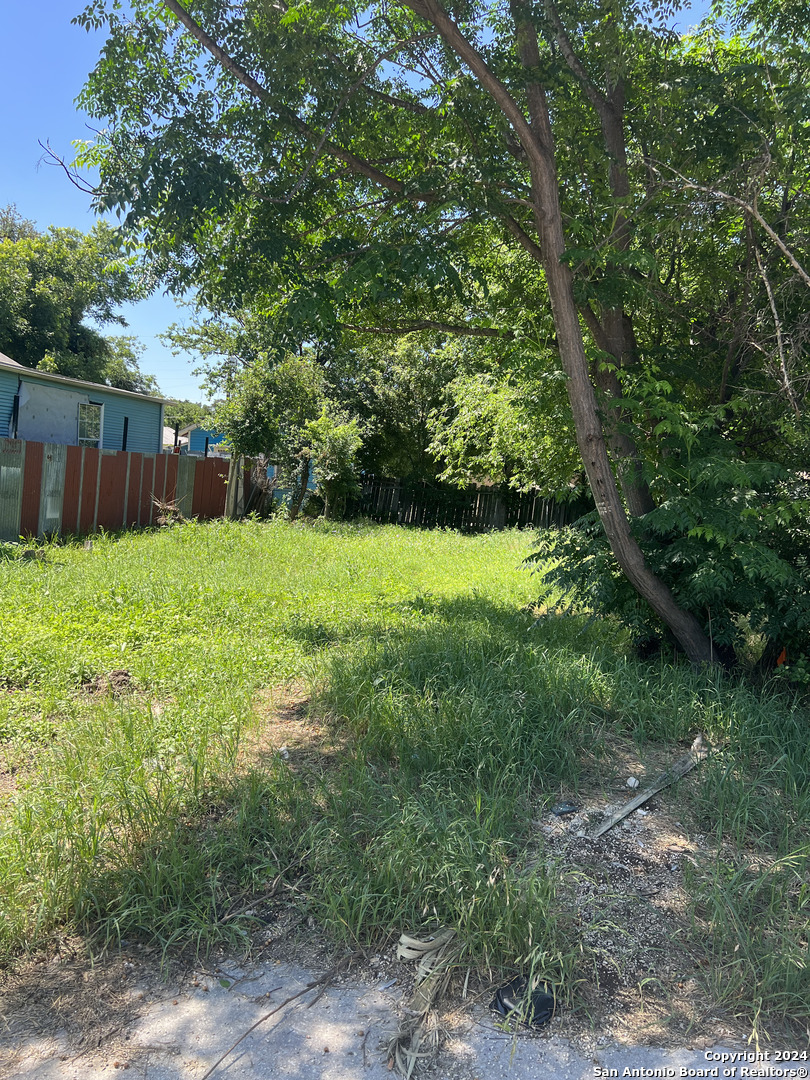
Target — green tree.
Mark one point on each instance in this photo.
(264, 414)
(182, 413)
(539, 172)
(50, 283)
(122, 367)
(334, 445)
(394, 386)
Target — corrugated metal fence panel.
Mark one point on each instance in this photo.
(219, 479)
(209, 488)
(112, 490)
(147, 489)
(160, 477)
(88, 502)
(134, 489)
(171, 477)
(12, 459)
(201, 474)
(73, 486)
(32, 479)
(220, 487)
(52, 491)
(186, 467)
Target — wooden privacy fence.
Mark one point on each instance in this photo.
(436, 505)
(47, 489)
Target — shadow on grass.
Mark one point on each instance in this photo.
(454, 719)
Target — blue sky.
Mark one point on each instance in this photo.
(45, 62)
(44, 66)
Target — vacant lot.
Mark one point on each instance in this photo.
(210, 726)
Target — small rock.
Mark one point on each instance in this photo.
(632, 782)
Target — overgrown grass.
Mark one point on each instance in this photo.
(456, 713)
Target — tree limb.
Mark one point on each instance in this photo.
(429, 324)
(592, 91)
(469, 55)
(779, 338)
(523, 237)
(357, 164)
(726, 196)
(590, 319)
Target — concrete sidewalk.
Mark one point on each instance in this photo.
(342, 1036)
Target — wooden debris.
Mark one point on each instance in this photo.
(697, 752)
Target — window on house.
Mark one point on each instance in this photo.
(90, 424)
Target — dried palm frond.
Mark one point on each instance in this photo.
(419, 1034)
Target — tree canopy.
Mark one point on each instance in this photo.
(50, 284)
(624, 207)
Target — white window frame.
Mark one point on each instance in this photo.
(91, 442)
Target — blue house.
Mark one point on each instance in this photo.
(70, 412)
(195, 439)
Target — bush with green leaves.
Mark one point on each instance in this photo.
(731, 540)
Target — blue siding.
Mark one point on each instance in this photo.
(8, 390)
(197, 437)
(145, 431)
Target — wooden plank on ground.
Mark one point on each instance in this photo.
(682, 766)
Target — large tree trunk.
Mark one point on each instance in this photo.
(590, 435)
(615, 334)
(591, 442)
(538, 143)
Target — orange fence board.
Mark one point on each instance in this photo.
(160, 477)
(134, 489)
(171, 477)
(89, 492)
(70, 499)
(147, 487)
(112, 491)
(200, 477)
(32, 482)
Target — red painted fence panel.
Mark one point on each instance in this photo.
(70, 500)
(147, 487)
(31, 485)
(134, 489)
(88, 499)
(111, 490)
(171, 477)
(160, 477)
